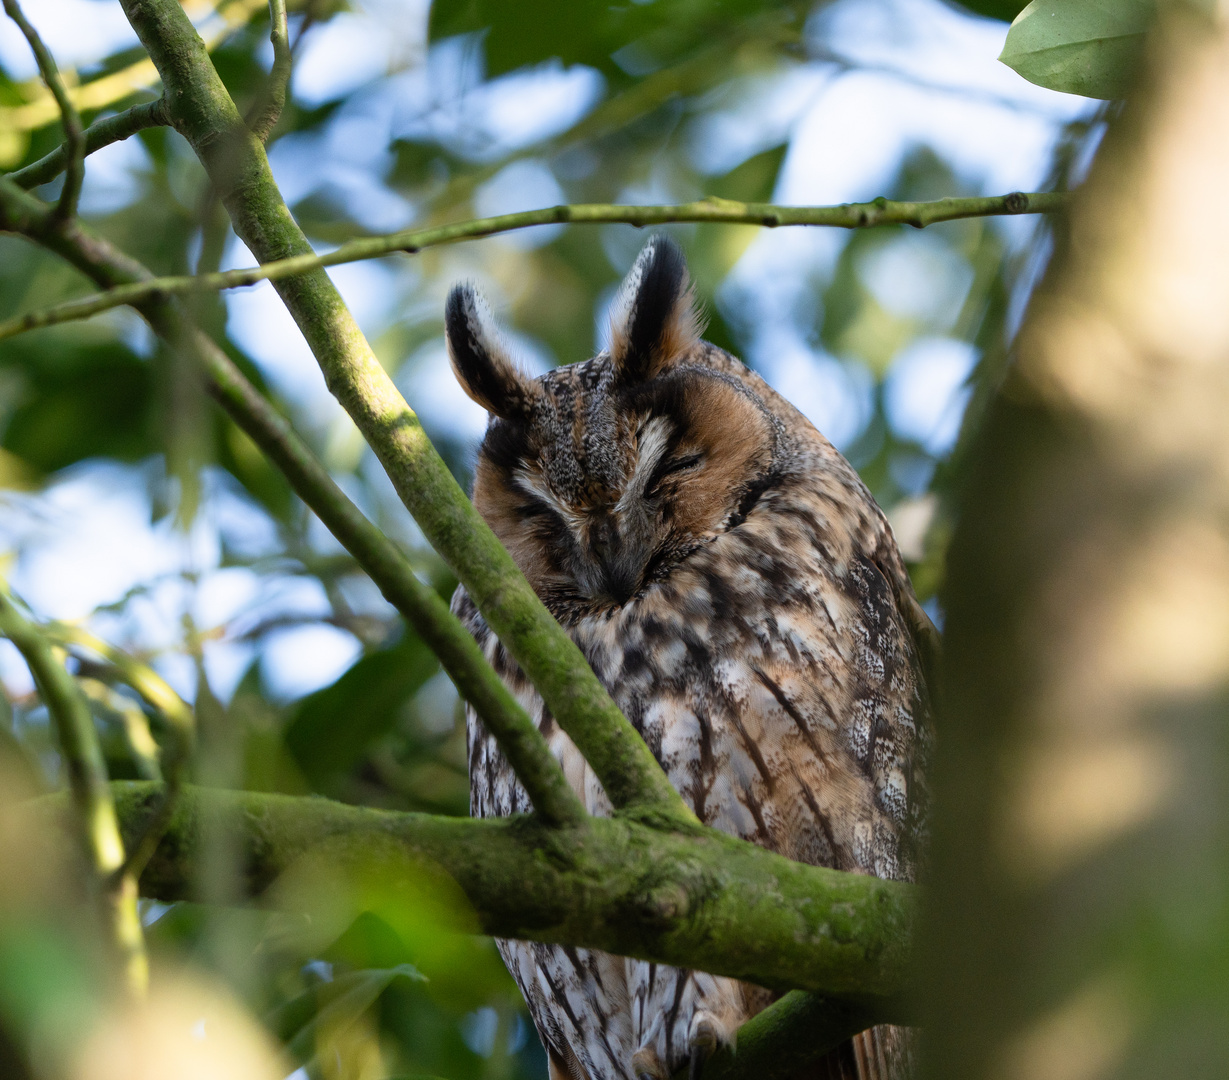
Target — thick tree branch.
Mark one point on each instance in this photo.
(459, 654)
(97, 135)
(74, 136)
(234, 158)
(702, 900)
(724, 211)
(95, 812)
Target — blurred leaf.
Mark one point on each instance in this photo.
(994, 9)
(84, 399)
(523, 32)
(340, 1001)
(752, 181)
(1088, 47)
(331, 729)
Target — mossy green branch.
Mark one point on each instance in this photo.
(459, 654)
(846, 216)
(234, 158)
(698, 900)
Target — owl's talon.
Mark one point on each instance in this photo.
(647, 1065)
(702, 1041)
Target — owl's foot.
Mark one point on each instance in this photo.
(647, 1065)
(706, 1034)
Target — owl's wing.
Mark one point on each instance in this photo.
(779, 681)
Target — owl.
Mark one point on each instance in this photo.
(736, 589)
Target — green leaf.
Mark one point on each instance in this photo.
(332, 728)
(1088, 47)
(523, 32)
(81, 399)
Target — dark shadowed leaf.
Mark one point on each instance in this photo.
(332, 728)
(81, 399)
(993, 9)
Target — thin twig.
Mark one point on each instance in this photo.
(97, 135)
(74, 133)
(723, 211)
(264, 117)
(87, 779)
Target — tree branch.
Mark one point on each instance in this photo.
(74, 139)
(411, 241)
(704, 900)
(792, 1033)
(97, 135)
(235, 161)
(460, 655)
(95, 811)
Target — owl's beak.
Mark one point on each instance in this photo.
(617, 561)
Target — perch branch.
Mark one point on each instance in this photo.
(703, 900)
(846, 216)
(234, 158)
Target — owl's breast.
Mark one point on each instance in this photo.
(774, 680)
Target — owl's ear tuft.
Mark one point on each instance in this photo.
(653, 320)
(480, 359)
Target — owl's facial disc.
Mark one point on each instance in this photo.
(602, 493)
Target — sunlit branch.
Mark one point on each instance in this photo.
(518, 737)
(273, 98)
(235, 161)
(74, 136)
(97, 135)
(87, 781)
(174, 710)
(721, 211)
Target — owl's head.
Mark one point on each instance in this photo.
(602, 476)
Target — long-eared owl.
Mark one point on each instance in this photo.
(736, 589)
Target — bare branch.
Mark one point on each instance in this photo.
(97, 135)
(722, 211)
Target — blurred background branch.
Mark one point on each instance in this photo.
(96, 824)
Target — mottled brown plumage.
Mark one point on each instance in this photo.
(735, 587)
